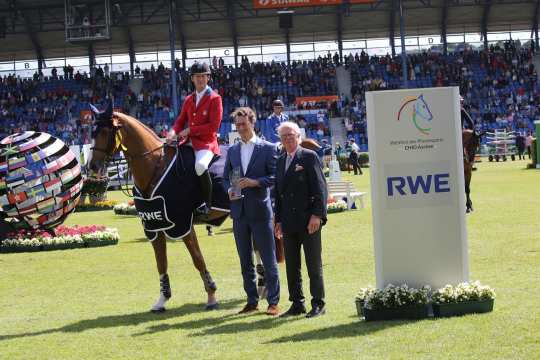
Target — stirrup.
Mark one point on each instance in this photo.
(202, 210)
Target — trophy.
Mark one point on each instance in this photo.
(236, 192)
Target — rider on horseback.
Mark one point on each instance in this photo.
(466, 120)
(199, 122)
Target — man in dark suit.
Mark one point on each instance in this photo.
(252, 161)
(300, 212)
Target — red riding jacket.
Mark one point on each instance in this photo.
(203, 120)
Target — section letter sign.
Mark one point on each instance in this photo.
(417, 187)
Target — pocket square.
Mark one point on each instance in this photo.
(298, 168)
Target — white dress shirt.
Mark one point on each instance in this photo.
(246, 150)
(199, 95)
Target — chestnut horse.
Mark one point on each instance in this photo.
(148, 157)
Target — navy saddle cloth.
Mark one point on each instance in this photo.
(170, 206)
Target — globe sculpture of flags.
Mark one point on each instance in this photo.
(40, 180)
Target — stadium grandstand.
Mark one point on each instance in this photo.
(317, 56)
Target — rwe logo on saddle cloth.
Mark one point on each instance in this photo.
(169, 208)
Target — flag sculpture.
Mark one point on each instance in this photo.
(40, 179)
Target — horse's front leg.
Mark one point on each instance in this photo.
(160, 252)
(468, 195)
(192, 245)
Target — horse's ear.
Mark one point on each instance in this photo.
(107, 114)
(94, 110)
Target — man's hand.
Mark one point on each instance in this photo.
(247, 183)
(171, 137)
(184, 133)
(277, 231)
(314, 224)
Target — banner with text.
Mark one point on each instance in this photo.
(417, 187)
(279, 4)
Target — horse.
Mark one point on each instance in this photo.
(149, 159)
(471, 142)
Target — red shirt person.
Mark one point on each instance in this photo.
(199, 123)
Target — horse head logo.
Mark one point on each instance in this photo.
(421, 114)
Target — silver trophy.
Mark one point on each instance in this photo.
(235, 176)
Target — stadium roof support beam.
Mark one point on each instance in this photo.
(31, 33)
(180, 26)
(232, 21)
(172, 16)
(91, 57)
(288, 45)
(485, 17)
(444, 25)
(403, 51)
(391, 28)
(535, 26)
(124, 21)
(339, 14)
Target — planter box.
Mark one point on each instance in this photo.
(462, 308)
(360, 308)
(404, 312)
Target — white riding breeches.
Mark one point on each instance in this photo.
(202, 160)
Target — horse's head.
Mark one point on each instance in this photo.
(422, 109)
(104, 137)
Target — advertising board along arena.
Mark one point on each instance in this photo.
(417, 187)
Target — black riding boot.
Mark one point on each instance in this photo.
(206, 189)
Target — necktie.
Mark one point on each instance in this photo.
(288, 162)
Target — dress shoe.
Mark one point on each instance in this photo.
(248, 308)
(294, 310)
(317, 310)
(273, 310)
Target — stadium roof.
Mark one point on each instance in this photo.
(38, 26)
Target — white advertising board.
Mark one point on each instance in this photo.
(417, 187)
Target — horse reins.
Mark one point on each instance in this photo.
(110, 150)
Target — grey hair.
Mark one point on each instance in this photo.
(289, 125)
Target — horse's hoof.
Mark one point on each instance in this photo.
(210, 307)
(158, 310)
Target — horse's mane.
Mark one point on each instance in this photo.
(144, 126)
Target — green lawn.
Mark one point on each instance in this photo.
(93, 303)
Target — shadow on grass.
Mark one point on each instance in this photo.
(218, 325)
(137, 240)
(352, 329)
(112, 321)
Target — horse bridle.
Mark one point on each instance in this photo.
(114, 142)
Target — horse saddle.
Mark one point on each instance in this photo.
(170, 205)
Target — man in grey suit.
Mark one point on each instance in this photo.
(300, 212)
(249, 174)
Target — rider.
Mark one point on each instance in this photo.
(466, 119)
(199, 122)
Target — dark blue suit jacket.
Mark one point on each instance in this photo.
(256, 203)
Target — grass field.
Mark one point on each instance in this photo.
(93, 303)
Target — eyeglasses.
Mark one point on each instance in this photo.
(288, 135)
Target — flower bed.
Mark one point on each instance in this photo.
(64, 238)
(98, 206)
(336, 206)
(394, 302)
(125, 209)
(464, 298)
(403, 302)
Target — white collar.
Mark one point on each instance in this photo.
(294, 152)
(199, 94)
(252, 140)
